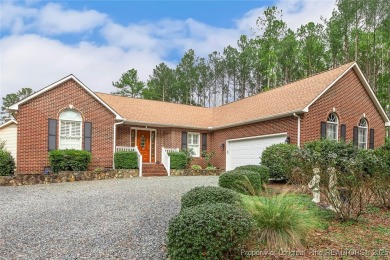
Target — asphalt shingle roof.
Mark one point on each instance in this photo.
(293, 97)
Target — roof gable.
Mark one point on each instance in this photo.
(10, 122)
(56, 84)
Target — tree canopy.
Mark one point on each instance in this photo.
(358, 30)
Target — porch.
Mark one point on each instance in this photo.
(149, 168)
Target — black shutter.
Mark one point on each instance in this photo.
(343, 133)
(323, 130)
(88, 136)
(355, 135)
(204, 143)
(371, 138)
(52, 139)
(183, 140)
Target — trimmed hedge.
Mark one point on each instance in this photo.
(280, 159)
(178, 160)
(126, 160)
(69, 160)
(209, 194)
(261, 169)
(208, 231)
(238, 180)
(7, 163)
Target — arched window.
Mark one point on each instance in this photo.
(332, 126)
(70, 130)
(362, 133)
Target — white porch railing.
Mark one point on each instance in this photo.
(132, 149)
(166, 159)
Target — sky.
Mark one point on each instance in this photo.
(44, 41)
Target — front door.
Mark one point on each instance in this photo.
(143, 143)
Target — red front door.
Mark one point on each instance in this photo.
(143, 144)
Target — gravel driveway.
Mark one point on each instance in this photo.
(110, 219)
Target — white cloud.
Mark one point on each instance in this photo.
(54, 19)
(31, 56)
(51, 19)
(15, 18)
(34, 61)
(295, 13)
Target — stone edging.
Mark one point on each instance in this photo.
(191, 172)
(31, 179)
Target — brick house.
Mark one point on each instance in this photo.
(336, 104)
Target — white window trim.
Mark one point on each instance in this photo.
(366, 133)
(198, 154)
(333, 123)
(81, 131)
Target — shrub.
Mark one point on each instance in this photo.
(346, 174)
(7, 163)
(189, 156)
(126, 160)
(261, 169)
(209, 194)
(326, 153)
(207, 157)
(208, 231)
(178, 160)
(245, 182)
(280, 160)
(381, 176)
(69, 160)
(196, 167)
(281, 221)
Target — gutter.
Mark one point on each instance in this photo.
(299, 130)
(114, 142)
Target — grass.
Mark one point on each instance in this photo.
(284, 221)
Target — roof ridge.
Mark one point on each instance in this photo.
(152, 100)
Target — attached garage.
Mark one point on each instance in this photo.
(245, 151)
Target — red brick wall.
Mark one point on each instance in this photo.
(350, 99)
(33, 126)
(287, 124)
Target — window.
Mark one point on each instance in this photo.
(193, 141)
(332, 127)
(362, 133)
(70, 130)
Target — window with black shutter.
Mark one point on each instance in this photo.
(323, 130)
(204, 143)
(52, 139)
(88, 136)
(343, 132)
(372, 140)
(355, 135)
(183, 140)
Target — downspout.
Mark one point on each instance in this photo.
(113, 153)
(299, 130)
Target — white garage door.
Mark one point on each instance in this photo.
(246, 151)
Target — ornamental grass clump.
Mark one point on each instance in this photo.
(281, 221)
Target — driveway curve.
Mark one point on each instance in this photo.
(109, 219)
